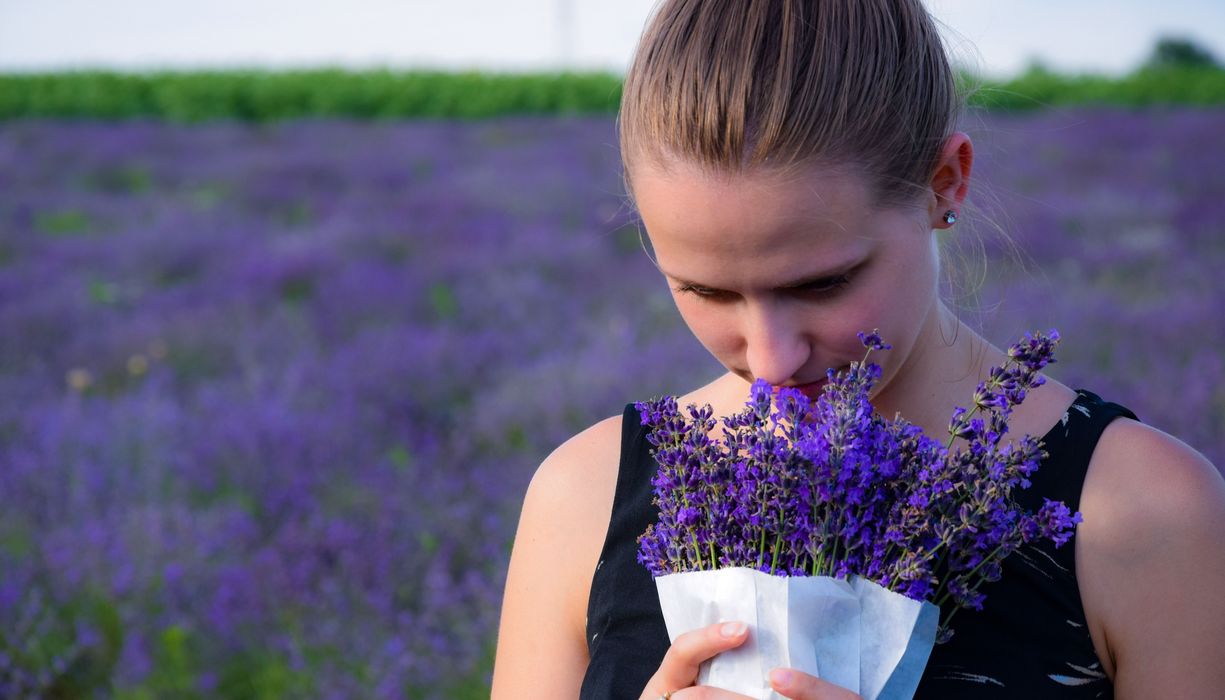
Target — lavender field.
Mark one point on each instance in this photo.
(271, 394)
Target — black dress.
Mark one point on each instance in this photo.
(1030, 640)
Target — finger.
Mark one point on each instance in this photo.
(798, 685)
(679, 668)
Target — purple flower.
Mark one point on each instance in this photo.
(826, 486)
(872, 340)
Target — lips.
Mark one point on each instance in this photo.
(812, 390)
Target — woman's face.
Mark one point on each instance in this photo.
(775, 276)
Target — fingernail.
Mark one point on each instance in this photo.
(781, 677)
(732, 629)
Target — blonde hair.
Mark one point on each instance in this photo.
(738, 85)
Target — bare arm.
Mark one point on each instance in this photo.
(542, 650)
(1152, 563)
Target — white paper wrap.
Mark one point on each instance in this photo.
(852, 633)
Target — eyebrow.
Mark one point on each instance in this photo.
(806, 280)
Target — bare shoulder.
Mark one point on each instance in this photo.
(571, 494)
(568, 506)
(1168, 474)
(1150, 557)
(541, 648)
(582, 471)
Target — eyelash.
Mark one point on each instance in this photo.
(824, 288)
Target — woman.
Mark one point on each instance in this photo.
(795, 164)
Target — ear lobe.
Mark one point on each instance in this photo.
(951, 180)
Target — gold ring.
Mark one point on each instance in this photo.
(666, 696)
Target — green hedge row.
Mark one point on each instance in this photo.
(269, 96)
(1155, 85)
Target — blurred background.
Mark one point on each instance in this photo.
(294, 298)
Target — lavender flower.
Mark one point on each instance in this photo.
(827, 487)
(180, 407)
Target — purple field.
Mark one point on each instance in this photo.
(272, 394)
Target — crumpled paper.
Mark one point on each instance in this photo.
(851, 632)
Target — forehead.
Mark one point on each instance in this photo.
(722, 228)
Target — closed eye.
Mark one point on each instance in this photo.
(823, 287)
(703, 292)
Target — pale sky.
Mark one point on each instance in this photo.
(999, 37)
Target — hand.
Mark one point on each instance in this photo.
(679, 670)
(797, 685)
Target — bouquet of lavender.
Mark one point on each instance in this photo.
(838, 534)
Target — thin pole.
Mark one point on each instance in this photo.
(565, 33)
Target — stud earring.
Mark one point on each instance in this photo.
(950, 217)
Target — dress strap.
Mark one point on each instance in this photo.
(618, 570)
(626, 636)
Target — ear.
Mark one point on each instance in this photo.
(951, 178)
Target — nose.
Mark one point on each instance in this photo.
(776, 346)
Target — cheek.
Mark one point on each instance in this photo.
(902, 296)
(714, 329)
(894, 310)
(900, 310)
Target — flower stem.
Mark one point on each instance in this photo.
(778, 541)
(761, 548)
(973, 571)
